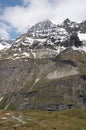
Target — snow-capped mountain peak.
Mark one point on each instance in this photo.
(66, 21)
(46, 39)
(42, 26)
(70, 26)
(47, 36)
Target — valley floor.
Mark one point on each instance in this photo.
(43, 120)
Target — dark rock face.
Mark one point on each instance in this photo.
(72, 41)
(75, 40)
(71, 27)
(83, 77)
(83, 27)
(67, 96)
(25, 84)
(13, 74)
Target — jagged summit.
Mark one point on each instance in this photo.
(43, 25)
(46, 21)
(66, 21)
(83, 26)
(46, 39)
(70, 26)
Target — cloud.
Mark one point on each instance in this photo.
(4, 31)
(21, 17)
(73, 9)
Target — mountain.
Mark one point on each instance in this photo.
(45, 68)
(43, 26)
(4, 44)
(44, 36)
(83, 27)
(46, 39)
(70, 26)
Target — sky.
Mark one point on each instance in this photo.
(17, 16)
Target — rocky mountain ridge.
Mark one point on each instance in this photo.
(45, 68)
(50, 39)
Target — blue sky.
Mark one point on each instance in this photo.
(3, 5)
(17, 16)
(10, 2)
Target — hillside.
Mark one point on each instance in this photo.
(45, 68)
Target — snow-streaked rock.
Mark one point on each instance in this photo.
(46, 39)
(4, 44)
(82, 36)
(82, 48)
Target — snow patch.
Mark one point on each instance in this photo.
(82, 36)
(83, 48)
(40, 40)
(15, 58)
(33, 53)
(49, 42)
(15, 54)
(36, 80)
(26, 60)
(19, 49)
(26, 54)
(62, 73)
(1, 98)
(5, 45)
(60, 49)
(4, 118)
(28, 39)
(7, 114)
(18, 40)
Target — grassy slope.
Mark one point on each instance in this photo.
(42, 120)
(79, 58)
(67, 90)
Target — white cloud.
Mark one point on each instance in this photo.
(22, 17)
(73, 9)
(4, 31)
(32, 11)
